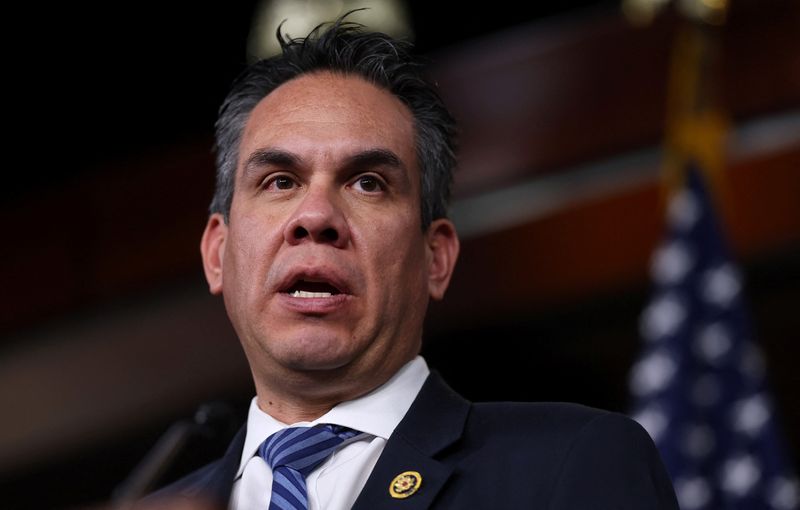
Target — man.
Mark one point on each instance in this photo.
(327, 238)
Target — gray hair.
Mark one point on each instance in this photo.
(345, 47)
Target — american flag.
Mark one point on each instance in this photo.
(699, 386)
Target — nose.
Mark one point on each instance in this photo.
(319, 219)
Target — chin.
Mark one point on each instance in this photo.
(314, 363)
(315, 353)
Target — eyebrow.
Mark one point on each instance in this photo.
(270, 157)
(369, 158)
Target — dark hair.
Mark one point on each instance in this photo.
(345, 47)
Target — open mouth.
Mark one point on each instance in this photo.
(311, 289)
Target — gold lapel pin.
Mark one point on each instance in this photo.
(405, 484)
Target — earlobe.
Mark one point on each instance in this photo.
(212, 249)
(443, 246)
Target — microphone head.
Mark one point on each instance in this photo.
(215, 419)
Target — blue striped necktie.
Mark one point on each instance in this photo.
(292, 454)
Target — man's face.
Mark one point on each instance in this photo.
(323, 265)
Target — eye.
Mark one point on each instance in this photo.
(368, 183)
(280, 182)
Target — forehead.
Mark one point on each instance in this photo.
(331, 114)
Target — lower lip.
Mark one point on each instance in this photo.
(317, 306)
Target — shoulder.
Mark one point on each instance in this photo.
(548, 427)
(553, 420)
(589, 455)
(561, 431)
(563, 412)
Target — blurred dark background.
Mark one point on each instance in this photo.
(109, 336)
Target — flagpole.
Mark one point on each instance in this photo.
(697, 123)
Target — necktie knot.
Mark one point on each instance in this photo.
(303, 448)
(293, 453)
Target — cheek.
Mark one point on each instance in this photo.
(400, 265)
(248, 255)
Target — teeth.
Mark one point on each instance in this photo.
(304, 294)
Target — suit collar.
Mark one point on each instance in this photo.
(434, 422)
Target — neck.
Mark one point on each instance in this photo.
(290, 412)
(307, 396)
(292, 396)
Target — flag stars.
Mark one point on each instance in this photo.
(783, 494)
(653, 373)
(698, 441)
(693, 493)
(654, 420)
(713, 343)
(671, 263)
(663, 317)
(683, 210)
(740, 475)
(699, 388)
(751, 414)
(720, 285)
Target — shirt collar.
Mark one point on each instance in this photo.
(377, 413)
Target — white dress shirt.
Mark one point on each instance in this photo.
(336, 483)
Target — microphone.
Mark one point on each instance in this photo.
(210, 421)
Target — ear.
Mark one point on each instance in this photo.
(443, 246)
(212, 248)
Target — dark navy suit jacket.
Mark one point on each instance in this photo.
(496, 456)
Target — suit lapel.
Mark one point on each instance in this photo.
(434, 422)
